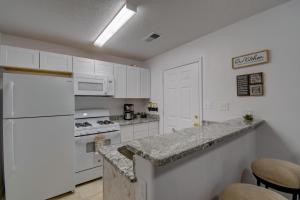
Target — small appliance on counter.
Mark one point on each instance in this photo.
(152, 108)
(128, 111)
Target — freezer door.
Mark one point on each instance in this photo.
(27, 95)
(38, 157)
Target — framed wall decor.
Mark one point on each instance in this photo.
(250, 84)
(251, 59)
(256, 90)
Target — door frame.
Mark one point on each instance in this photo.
(200, 88)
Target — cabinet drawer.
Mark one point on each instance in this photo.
(126, 133)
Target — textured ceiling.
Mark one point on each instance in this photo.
(77, 23)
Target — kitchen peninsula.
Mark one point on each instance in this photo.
(193, 163)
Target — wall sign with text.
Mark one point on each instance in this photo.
(251, 59)
(250, 84)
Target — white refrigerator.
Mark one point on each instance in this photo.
(38, 136)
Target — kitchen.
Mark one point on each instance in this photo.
(129, 106)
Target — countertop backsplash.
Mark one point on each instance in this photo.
(115, 106)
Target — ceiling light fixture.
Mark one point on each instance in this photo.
(126, 12)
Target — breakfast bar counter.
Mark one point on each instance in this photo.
(180, 161)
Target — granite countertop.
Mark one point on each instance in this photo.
(123, 122)
(165, 149)
(120, 162)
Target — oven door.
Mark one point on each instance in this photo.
(90, 85)
(87, 156)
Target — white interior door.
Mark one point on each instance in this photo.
(38, 157)
(181, 97)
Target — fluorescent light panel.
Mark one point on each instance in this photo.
(119, 20)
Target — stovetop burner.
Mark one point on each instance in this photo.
(84, 124)
(105, 122)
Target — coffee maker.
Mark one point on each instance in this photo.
(128, 111)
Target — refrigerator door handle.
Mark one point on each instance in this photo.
(13, 168)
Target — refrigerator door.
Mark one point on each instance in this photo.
(38, 157)
(27, 95)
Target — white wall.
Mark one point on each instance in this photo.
(277, 29)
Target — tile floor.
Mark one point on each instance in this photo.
(88, 191)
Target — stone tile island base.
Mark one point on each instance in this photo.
(117, 186)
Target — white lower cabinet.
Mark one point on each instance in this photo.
(153, 128)
(126, 133)
(140, 130)
(137, 131)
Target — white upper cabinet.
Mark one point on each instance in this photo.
(54, 61)
(120, 80)
(145, 83)
(83, 65)
(19, 57)
(104, 68)
(133, 82)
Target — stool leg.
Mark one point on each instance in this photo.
(266, 186)
(295, 196)
(258, 182)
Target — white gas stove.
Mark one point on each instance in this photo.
(92, 127)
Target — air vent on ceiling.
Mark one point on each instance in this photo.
(151, 37)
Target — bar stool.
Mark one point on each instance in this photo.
(280, 175)
(240, 191)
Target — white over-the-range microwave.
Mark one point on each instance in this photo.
(93, 85)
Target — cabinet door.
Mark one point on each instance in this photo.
(54, 61)
(140, 130)
(83, 65)
(133, 82)
(19, 57)
(145, 83)
(153, 128)
(120, 80)
(104, 68)
(126, 133)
